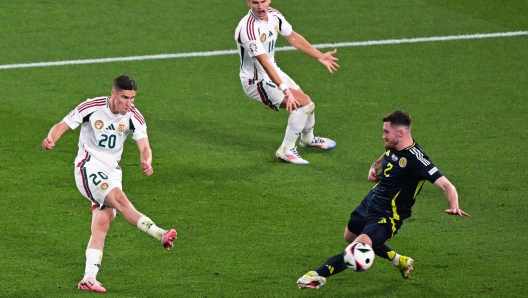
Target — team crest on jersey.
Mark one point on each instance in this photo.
(394, 157)
(253, 47)
(104, 186)
(263, 37)
(403, 162)
(121, 126)
(276, 29)
(98, 124)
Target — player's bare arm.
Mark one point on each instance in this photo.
(291, 102)
(300, 43)
(145, 154)
(373, 172)
(451, 195)
(54, 134)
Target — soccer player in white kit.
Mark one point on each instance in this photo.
(265, 82)
(105, 124)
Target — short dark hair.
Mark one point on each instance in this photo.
(398, 117)
(124, 82)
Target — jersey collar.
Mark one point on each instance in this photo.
(413, 144)
(255, 17)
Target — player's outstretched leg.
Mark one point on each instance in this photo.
(91, 284)
(311, 280)
(117, 199)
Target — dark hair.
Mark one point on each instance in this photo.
(398, 117)
(124, 83)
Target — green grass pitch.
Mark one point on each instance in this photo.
(249, 226)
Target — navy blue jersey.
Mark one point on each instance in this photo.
(402, 176)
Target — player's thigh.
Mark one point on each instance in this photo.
(349, 236)
(380, 229)
(290, 83)
(95, 182)
(301, 97)
(296, 90)
(356, 223)
(265, 92)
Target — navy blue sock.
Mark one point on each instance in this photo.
(384, 251)
(334, 265)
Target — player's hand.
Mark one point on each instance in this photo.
(147, 168)
(373, 175)
(457, 211)
(291, 102)
(329, 61)
(48, 144)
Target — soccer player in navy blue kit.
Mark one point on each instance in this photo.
(404, 169)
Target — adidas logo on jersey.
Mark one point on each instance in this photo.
(111, 127)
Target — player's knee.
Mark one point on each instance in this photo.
(349, 236)
(365, 239)
(100, 228)
(309, 107)
(305, 100)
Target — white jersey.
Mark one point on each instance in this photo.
(103, 133)
(256, 37)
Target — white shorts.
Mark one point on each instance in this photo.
(95, 180)
(267, 92)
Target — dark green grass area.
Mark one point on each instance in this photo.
(248, 225)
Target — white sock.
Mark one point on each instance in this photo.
(93, 262)
(396, 260)
(296, 123)
(307, 133)
(146, 224)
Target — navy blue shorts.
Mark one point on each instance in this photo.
(379, 226)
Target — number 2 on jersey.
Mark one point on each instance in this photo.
(388, 168)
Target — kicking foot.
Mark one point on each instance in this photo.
(405, 265)
(168, 237)
(320, 142)
(291, 156)
(311, 280)
(90, 284)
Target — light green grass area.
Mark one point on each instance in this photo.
(248, 225)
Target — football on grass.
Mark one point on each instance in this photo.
(359, 256)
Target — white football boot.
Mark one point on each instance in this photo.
(291, 156)
(320, 142)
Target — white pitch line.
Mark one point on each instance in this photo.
(288, 48)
